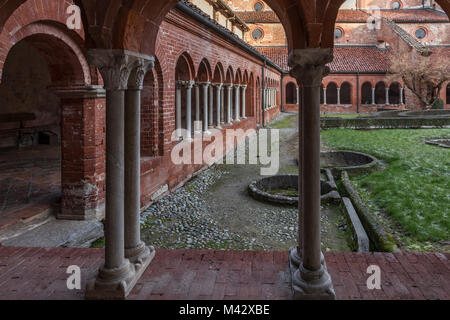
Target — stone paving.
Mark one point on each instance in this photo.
(30, 183)
(40, 273)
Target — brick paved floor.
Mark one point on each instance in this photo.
(40, 273)
(30, 182)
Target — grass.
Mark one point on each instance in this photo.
(414, 188)
(286, 123)
(344, 115)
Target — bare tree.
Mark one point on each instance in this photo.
(424, 75)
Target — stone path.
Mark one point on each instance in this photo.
(40, 273)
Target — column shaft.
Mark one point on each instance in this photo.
(373, 96)
(338, 96)
(189, 111)
(244, 89)
(236, 103)
(178, 110)
(205, 107)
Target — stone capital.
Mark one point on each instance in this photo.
(244, 86)
(237, 86)
(116, 65)
(140, 68)
(309, 66)
(217, 85)
(204, 84)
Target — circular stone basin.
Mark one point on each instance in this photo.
(427, 114)
(443, 143)
(355, 163)
(283, 189)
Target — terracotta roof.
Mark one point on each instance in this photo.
(404, 15)
(346, 58)
(254, 16)
(350, 59)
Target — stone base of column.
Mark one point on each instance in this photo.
(237, 120)
(309, 285)
(207, 133)
(113, 284)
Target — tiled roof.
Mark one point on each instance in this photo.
(351, 59)
(405, 15)
(346, 58)
(254, 16)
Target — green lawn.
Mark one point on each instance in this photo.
(415, 187)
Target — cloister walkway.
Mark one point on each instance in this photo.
(40, 273)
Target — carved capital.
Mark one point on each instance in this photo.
(140, 69)
(309, 65)
(116, 66)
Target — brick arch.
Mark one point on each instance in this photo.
(42, 18)
(238, 77)
(204, 73)
(219, 74)
(229, 78)
(134, 24)
(185, 69)
(245, 78)
(63, 54)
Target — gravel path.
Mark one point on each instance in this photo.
(214, 211)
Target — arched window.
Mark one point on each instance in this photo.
(366, 93)
(291, 93)
(394, 93)
(380, 93)
(346, 97)
(448, 93)
(332, 93)
(321, 94)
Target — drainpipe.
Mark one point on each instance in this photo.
(282, 92)
(357, 92)
(263, 86)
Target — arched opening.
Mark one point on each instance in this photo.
(322, 94)
(291, 93)
(183, 94)
(332, 95)
(346, 95)
(380, 93)
(151, 113)
(366, 93)
(394, 93)
(43, 135)
(447, 93)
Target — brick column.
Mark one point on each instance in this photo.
(310, 278)
(82, 153)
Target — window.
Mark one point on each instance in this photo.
(338, 33)
(257, 34)
(332, 94)
(291, 93)
(346, 96)
(396, 5)
(258, 6)
(366, 93)
(421, 33)
(448, 94)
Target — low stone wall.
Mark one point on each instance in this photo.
(355, 163)
(384, 123)
(380, 239)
